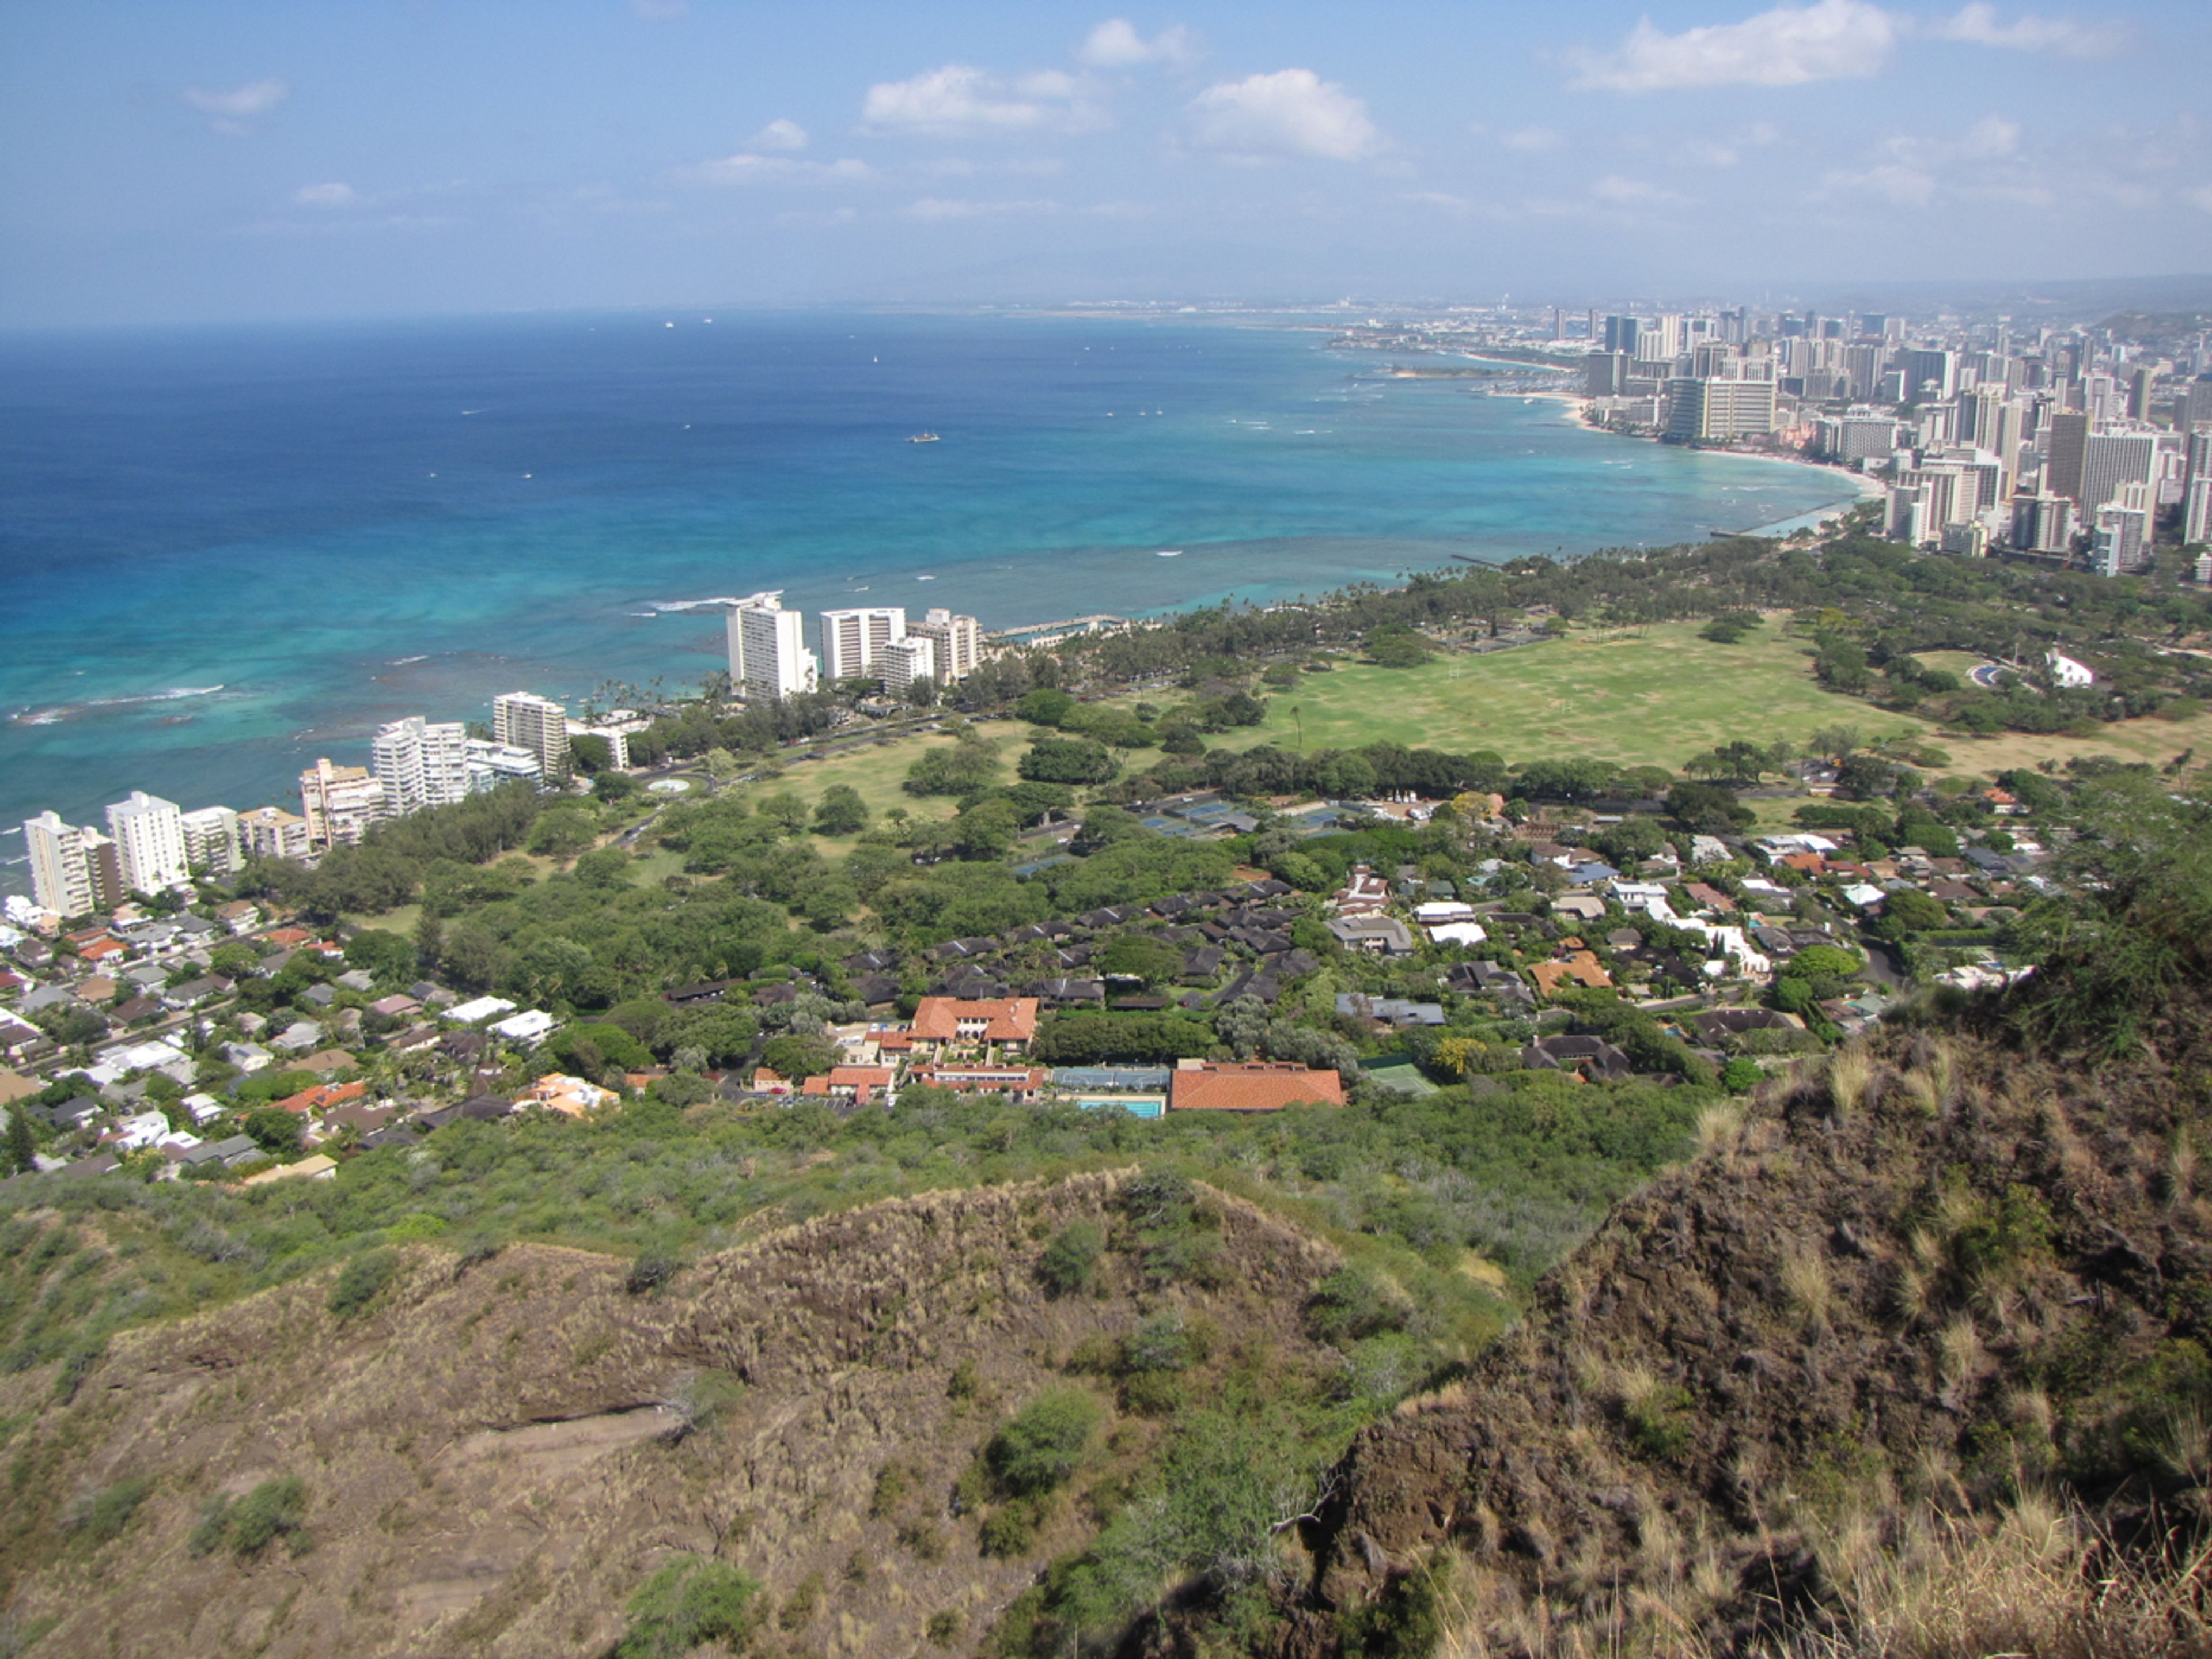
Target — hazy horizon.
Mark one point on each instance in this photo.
(236, 161)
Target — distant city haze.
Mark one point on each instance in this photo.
(230, 161)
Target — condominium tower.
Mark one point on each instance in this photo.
(150, 838)
(538, 724)
(768, 656)
(853, 640)
(420, 763)
(75, 870)
(958, 640)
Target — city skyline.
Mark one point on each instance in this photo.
(233, 161)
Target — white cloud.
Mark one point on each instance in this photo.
(1634, 192)
(1533, 140)
(1990, 138)
(1978, 24)
(255, 98)
(2202, 195)
(748, 168)
(779, 134)
(1292, 112)
(233, 111)
(1115, 44)
(959, 98)
(1788, 47)
(1895, 182)
(932, 209)
(332, 195)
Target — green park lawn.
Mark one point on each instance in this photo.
(1652, 696)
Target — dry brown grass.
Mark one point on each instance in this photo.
(2037, 1582)
(1851, 1073)
(1806, 1282)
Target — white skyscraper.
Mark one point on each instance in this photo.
(74, 870)
(149, 837)
(958, 640)
(907, 660)
(768, 656)
(853, 641)
(538, 724)
(211, 841)
(420, 763)
(2110, 459)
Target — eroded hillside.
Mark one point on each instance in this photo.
(1934, 1279)
(491, 1455)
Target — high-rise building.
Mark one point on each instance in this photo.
(958, 640)
(1620, 334)
(2123, 535)
(539, 724)
(853, 640)
(2196, 485)
(75, 870)
(270, 832)
(340, 802)
(2043, 524)
(768, 658)
(904, 661)
(420, 763)
(1929, 374)
(2066, 437)
(211, 842)
(491, 764)
(2110, 459)
(149, 836)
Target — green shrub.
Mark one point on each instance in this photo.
(360, 1280)
(208, 1532)
(102, 1516)
(649, 1272)
(1349, 1305)
(272, 1509)
(1009, 1532)
(1042, 1443)
(944, 1627)
(1069, 1265)
(692, 1600)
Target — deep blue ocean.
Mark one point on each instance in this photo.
(225, 552)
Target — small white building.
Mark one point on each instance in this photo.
(483, 1008)
(2067, 673)
(529, 1026)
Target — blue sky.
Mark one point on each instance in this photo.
(193, 160)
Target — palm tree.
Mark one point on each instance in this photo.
(1297, 714)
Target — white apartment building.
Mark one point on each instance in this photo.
(491, 764)
(958, 640)
(538, 724)
(853, 640)
(270, 832)
(420, 763)
(211, 840)
(2110, 459)
(340, 802)
(768, 656)
(149, 836)
(75, 870)
(904, 661)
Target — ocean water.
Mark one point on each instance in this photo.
(225, 552)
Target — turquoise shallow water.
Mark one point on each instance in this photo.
(225, 552)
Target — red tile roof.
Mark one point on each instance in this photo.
(1008, 1020)
(1258, 1086)
(322, 1096)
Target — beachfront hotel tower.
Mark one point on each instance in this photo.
(768, 658)
(958, 642)
(853, 640)
(75, 870)
(538, 724)
(420, 763)
(150, 838)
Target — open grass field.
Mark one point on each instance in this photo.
(1655, 694)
